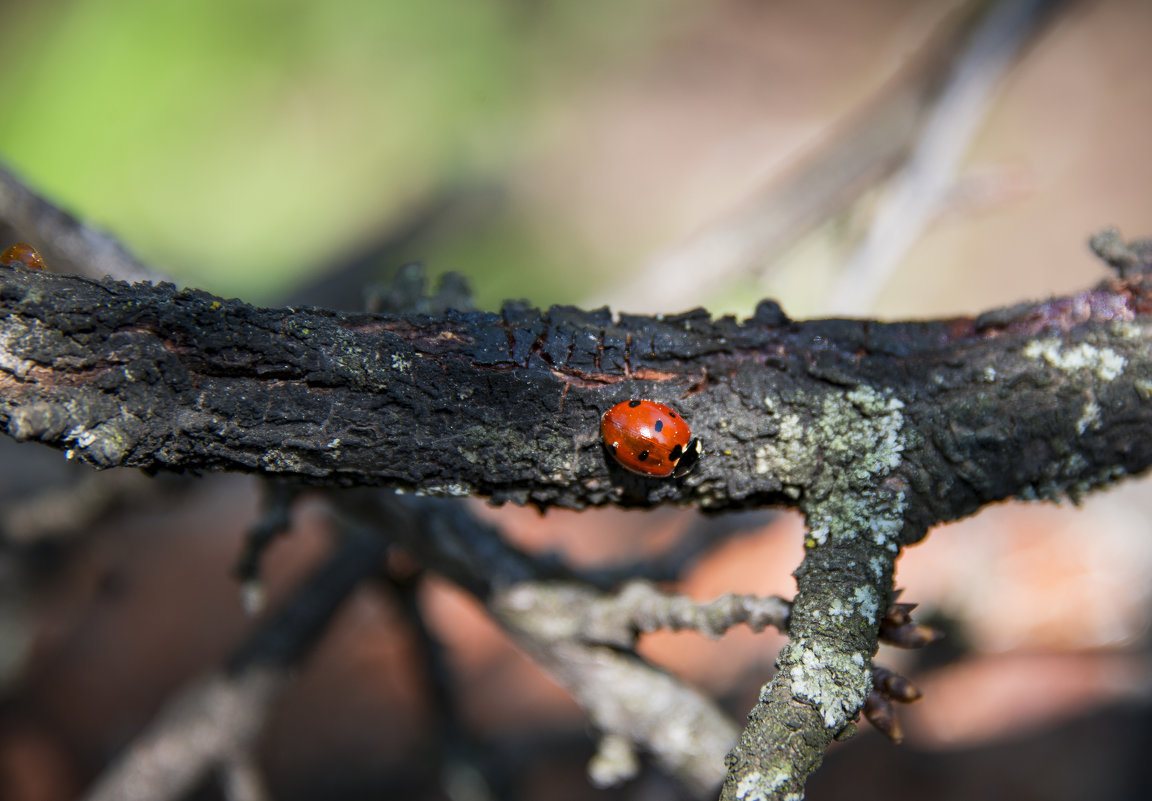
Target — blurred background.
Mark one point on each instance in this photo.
(653, 156)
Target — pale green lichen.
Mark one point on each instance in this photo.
(281, 461)
(1089, 417)
(750, 788)
(858, 436)
(1106, 363)
(835, 683)
(758, 787)
(864, 602)
(1126, 329)
(103, 445)
(865, 436)
(867, 602)
(785, 451)
(878, 515)
(19, 336)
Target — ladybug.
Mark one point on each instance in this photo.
(650, 438)
(23, 254)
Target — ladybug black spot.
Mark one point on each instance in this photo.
(677, 452)
(659, 426)
(632, 404)
(642, 456)
(672, 415)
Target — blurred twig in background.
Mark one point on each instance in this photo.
(917, 126)
(914, 197)
(213, 721)
(850, 159)
(68, 245)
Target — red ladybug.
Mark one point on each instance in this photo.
(24, 254)
(650, 438)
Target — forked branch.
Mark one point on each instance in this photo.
(874, 431)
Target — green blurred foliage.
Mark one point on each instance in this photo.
(239, 145)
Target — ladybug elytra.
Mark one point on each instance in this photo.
(23, 254)
(650, 438)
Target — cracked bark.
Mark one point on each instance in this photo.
(874, 431)
(506, 405)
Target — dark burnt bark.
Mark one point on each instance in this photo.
(1042, 399)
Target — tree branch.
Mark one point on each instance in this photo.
(572, 630)
(640, 607)
(507, 405)
(874, 431)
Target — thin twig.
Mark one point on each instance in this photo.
(551, 619)
(68, 245)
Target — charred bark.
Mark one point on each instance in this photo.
(1039, 400)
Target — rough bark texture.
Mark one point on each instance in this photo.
(1031, 400)
(874, 431)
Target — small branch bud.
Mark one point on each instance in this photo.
(898, 614)
(894, 686)
(881, 715)
(910, 635)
